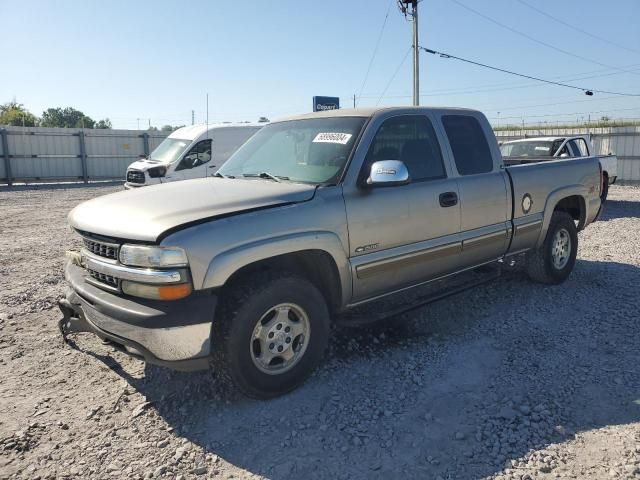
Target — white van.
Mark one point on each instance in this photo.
(190, 152)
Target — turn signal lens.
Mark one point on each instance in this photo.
(155, 292)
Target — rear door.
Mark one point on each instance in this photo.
(402, 235)
(485, 195)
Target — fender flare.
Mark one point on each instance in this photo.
(226, 263)
(552, 201)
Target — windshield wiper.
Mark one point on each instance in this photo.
(275, 178)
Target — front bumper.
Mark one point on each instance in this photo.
(174, 334)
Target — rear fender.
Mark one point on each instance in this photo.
(552, 201)
(225, 264)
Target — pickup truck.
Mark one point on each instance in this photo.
(540, 149)
(313, 216)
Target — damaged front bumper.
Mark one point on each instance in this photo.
(175, 334)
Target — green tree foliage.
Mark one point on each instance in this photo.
(105, 123)
(66, 118)
(170, 128)
(263, 120)
(14, 114)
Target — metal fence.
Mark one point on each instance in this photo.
(623, 141)
(37, 154)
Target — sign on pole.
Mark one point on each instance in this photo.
(320, 104)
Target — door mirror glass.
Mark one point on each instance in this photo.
(388, 173)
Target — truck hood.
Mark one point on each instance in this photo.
(144, 165)
(145, 213)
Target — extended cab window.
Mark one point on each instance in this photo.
(199, 154)
(412, 140)
(468, 143)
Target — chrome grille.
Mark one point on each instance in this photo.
(106, 250)
(135, 176)
(107, 280)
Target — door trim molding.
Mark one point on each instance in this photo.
(424, 255)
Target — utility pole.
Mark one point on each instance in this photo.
(416, 57)
(354, 100)
(404, 8)
(193, 116)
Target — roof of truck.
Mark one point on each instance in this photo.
(368, 112)
(194, 131)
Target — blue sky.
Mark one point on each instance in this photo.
(130, 60)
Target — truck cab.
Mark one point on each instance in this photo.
(190, 152)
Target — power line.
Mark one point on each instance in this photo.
(588, 91)
(564, 114)
(501, 86)
(375, 49)
(394, 75)
(533, 39)
(577, 29)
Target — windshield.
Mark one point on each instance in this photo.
(540, 148)
(169, 150)
(309, 151)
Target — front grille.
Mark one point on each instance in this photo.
(107, 280)
(135, 176)
(106, 250)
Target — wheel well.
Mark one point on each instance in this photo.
(574, 206)
(315, 265)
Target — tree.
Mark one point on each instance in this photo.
(14, 114)
(66, 118)
(104, 123)
(152, 129)
(263, 120)
(170, 128)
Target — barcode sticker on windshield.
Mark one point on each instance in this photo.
(341, 138)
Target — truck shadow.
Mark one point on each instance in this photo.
(613, 209)
(458, 388)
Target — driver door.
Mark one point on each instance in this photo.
(403, 235)
(196, 162)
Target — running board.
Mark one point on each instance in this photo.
(375, 311)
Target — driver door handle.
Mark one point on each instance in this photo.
(448, 199)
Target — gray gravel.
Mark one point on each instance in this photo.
(512, 380)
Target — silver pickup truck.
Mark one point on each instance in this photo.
(313, 216)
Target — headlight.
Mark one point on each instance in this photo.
(152, 256)
(157, 172)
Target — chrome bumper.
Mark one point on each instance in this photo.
(174, 334)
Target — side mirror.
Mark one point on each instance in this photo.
(564, 155)
(388, 173)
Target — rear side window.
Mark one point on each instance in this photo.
(579, 147)
(468, 143)
(412, 140)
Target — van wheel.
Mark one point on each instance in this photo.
(270, 334)
(552, 262)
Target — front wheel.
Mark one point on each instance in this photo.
(270, 335)
(553, 261)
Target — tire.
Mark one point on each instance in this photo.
(544, 265)
(605, 189)
(254, 308)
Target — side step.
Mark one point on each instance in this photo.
(417, 297)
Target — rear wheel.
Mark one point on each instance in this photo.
(553, 261)
(605, 188)
(271, 333)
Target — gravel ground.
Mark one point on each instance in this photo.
(511, 380)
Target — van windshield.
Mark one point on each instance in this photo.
(169, 150)
(309, 151)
